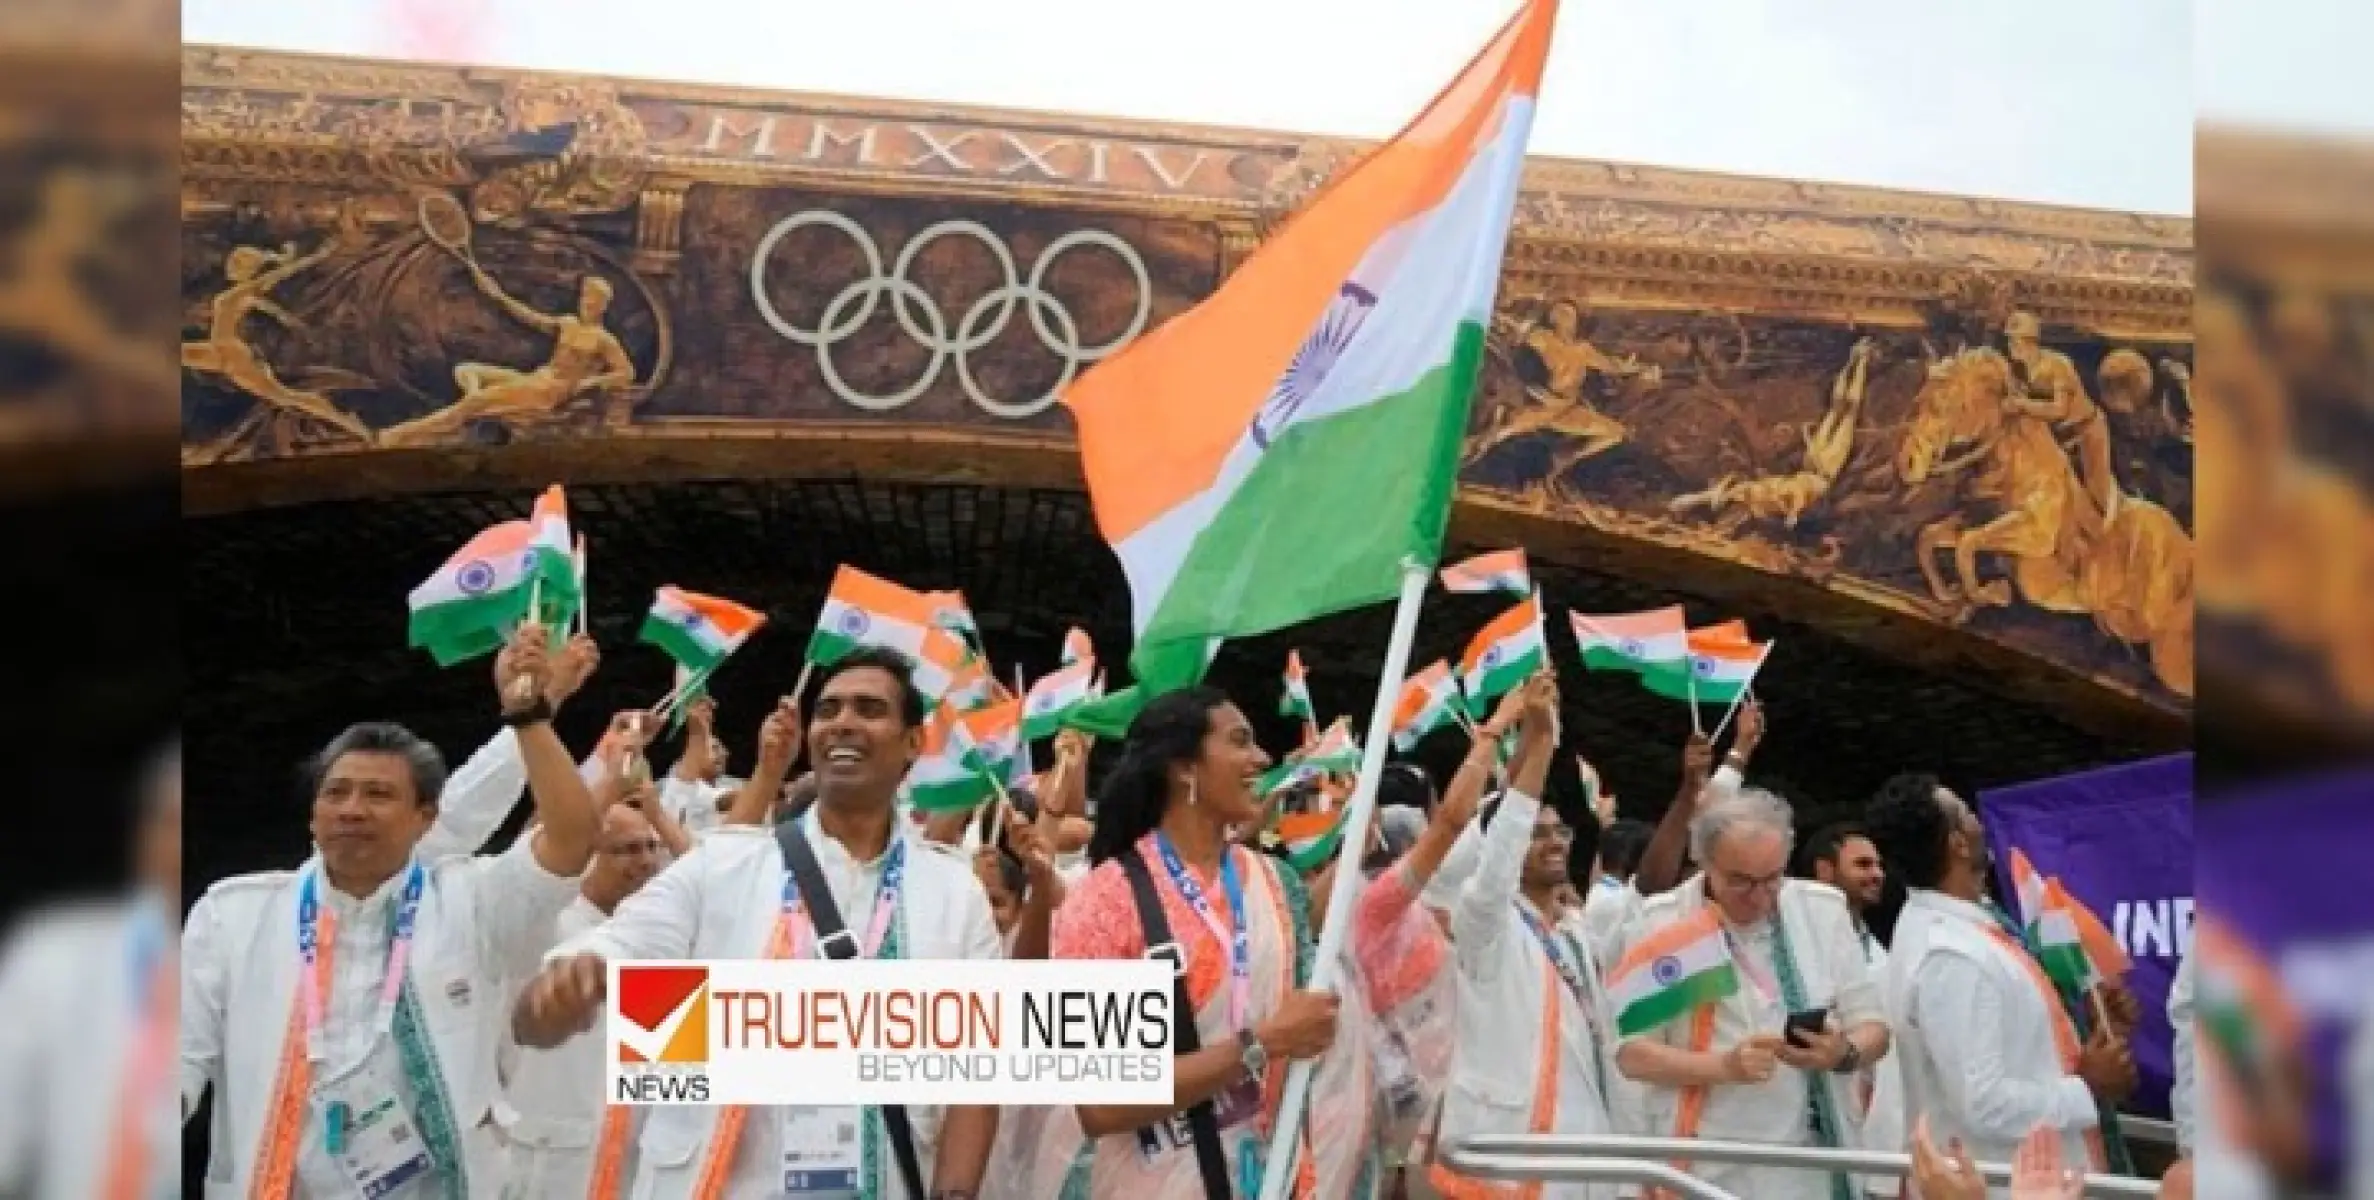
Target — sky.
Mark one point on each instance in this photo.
(2084, 102)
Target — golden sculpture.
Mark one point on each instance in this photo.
(2131, 568)
(2047, 385)
(44, 299)
(1828, 446)
(1568, 361)
(226, 355)
(587, 360)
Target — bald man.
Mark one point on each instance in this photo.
(550, 1115)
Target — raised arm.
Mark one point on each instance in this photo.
(778, 751)
(521, 313)
(1664, 863)
(1480, 918)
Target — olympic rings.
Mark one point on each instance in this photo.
(919, 315)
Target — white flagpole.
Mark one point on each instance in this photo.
(1286, 1134)
(1728, 713)
(1690, 682)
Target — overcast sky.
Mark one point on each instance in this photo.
(2085, 102)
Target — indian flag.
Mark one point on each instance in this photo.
(995, 731)
(2027, 888)
(1721, 667)
(1056, 695)
(1280, 451)
(1429, 700)
(949, 775)
(973, 687)
(697, 631)
(952, 613)
(1499, 571)
(2052, 932)
(1076, 646)
(473, 601)
(862, 610)
(1671, 972)
(2105, 958)
(1335, 753)
(1296, 702)
(1311, 838)
(1503, 654)
(1634, 641)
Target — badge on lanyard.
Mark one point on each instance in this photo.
(370, 1135)
(823, 1152)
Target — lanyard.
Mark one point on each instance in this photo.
(886, 897)
(1239, 943)
(317, 933)
(1567, 970)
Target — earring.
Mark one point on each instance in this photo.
(1192, 797)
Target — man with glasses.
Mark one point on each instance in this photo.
(551, 1109)
(1771, 1058)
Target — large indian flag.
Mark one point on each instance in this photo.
(1722, 664)
(1670, 972)
(862, 610)
(1634, 641)
(1279, 451)
(1502, 655)
(472, 602)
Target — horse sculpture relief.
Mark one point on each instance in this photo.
(2129, 566)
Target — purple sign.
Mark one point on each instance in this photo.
(2121, 840)
(2285, 868)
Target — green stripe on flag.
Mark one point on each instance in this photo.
(678, 642)
(1654, 1010)
(1324, 521)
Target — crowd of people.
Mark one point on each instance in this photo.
(412, 1013)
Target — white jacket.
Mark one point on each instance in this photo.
(482, 920)
(1504, 979)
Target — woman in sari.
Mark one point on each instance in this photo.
(1187, 774)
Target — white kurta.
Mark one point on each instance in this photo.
(1884, 1127)
(482, 920)
(72, 1018)
(1830, 967)
(1504, 980)
(720, 901)
(1974, 1040)
(550, 1113)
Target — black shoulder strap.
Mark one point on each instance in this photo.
(834, 938)
(1202, 1120)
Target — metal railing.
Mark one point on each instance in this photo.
(1615, 1158)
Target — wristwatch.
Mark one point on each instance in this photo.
(1850, 1062)
(1251, 1053)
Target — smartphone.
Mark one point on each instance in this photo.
(1811, 1020)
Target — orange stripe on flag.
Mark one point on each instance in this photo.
(1503, 627)
(859, 590)
(2109, 957)
(1157, 420)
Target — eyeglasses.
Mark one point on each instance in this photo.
(1559, 834)
(1748, 885)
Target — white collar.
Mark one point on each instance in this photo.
(1949, 906)
(347, 907)
(900, 831)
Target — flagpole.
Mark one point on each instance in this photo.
(584, 601)
(1743, 692)
(1690, 685)
(1286, 1134)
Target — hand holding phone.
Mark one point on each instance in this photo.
(1806, 1021)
